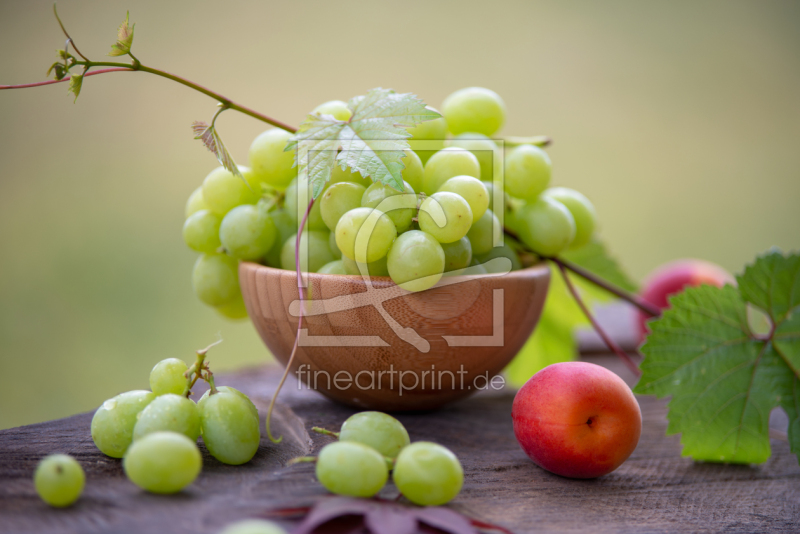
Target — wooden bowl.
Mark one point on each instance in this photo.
(443, 344)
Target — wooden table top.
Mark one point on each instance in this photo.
(656, 490)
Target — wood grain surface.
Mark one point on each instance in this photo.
(656, 490)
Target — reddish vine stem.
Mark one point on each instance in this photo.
(65, 79)
(626, 359)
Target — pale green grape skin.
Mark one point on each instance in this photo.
(314, 250)
(339, 175)
(458, 216)
(582, 211)
(527, 172)
(376, 268)
(413, 170)
(234, 310)
(169, 412)
(472, 190)
(484, 233)
(504, 251)
(229, 427)
(474, 109)
(113, 422)
(434, 131)
(201, 231)
(168, 376)
(400, 209)
(270, 164)
(336, 108)
(298, 195)
(378, 430)
(484, 149)
(228, 389)
(490, 190)
(416, 261)
(286, 228)
(377, 234)
(195, 202)
(428, 474)
(215, 279)
(333, 246)
(445, 164)
(457, 255)
(546, 226)
(223, 191)
(351, 469)
(334, 267)
(163, 462)
(247, 232)
(59, 480)
(337, 200)
(253, 526)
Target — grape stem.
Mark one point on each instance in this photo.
(195, 372)
(325, 432)
(625, 357)
(302, 460)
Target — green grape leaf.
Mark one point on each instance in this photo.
(124, 38)
(210, 137)
(60, 70)
(594, 257)
(372, 141)
(75, 84)
(724, 380)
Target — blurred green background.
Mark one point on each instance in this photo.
(680, 120)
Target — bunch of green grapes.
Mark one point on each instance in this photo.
(446, 220)
(370, 445)
(155, 432)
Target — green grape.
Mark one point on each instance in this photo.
(113, 422)
(195, 202)
(253, 526)
(270, 164)
(416, 261)
(314, 252)
(400, 209)
(333, 246)
(365, 235)
(334, 267)
(234, 310)
(546, 226)
(435, 132)
(337, 108)
(168, 376)
(504, 251)
(378, 430)
(286, 228)
(413, 170)
(582, 211)
(215, 279)
(352, 469)
(484, 149)
(474, 109)
(59, 480)
(457, 255)
(428, 474)
(201, 231)
(170, 412)
(503, 203)
(298, 195)
(346, 175)
(337, 200)
(229, 427)
(234, 391)
(163, 462)
(376, 268)
(472, 190)
(485, 232)
(223, 191)
(247, 232)
(445, 164)
(527, 172)
(457, 216)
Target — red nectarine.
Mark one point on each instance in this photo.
(577, 419)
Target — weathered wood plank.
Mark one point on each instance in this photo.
(654, 491)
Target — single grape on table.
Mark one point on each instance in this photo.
(351, 468)
(163, 462)
(378, 430)
(428, 474)
(59, 480)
